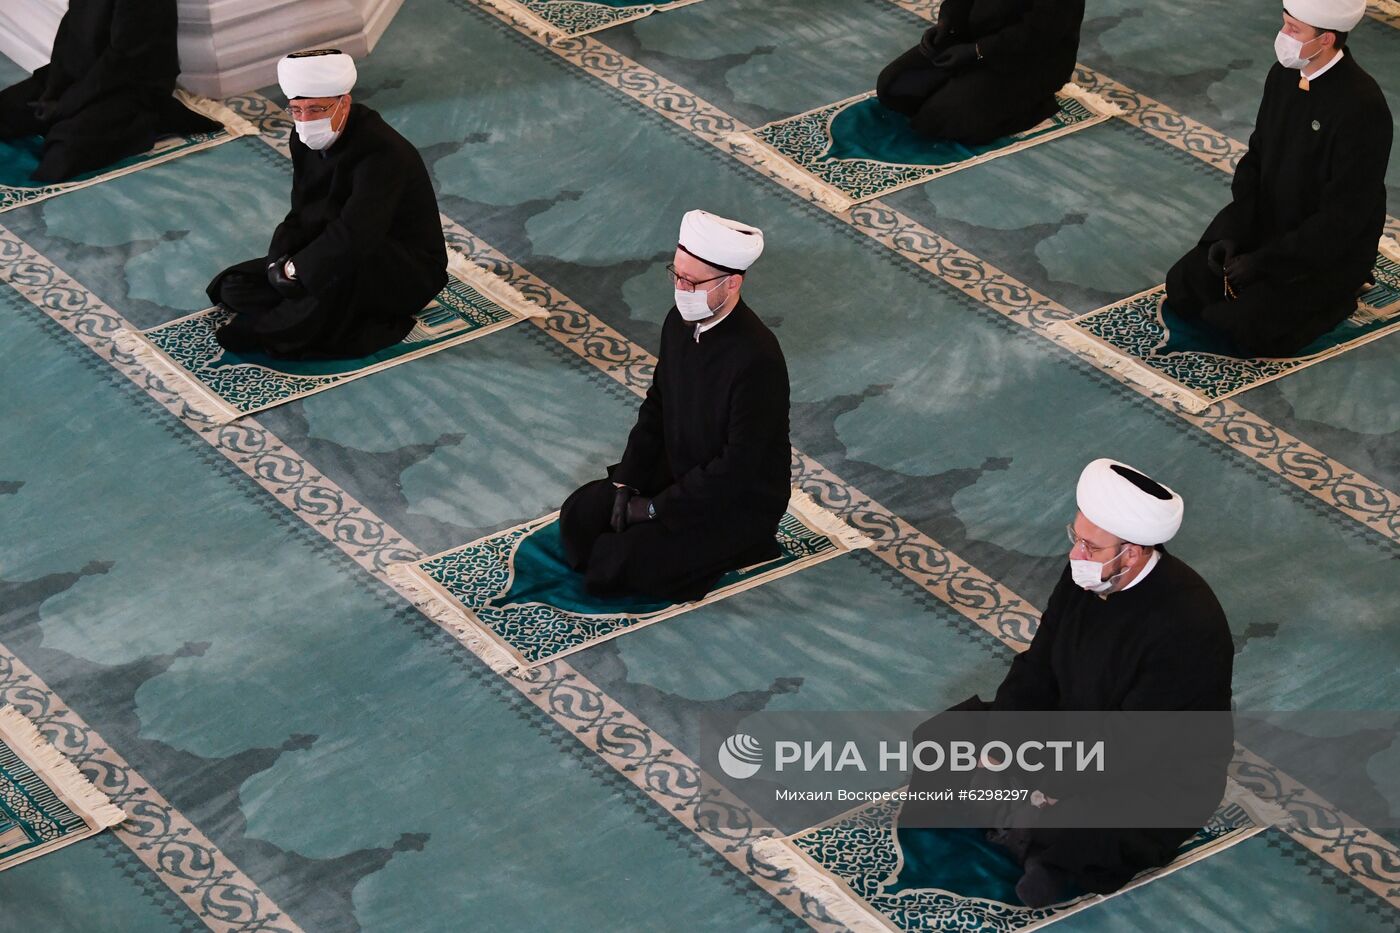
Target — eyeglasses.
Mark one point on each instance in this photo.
(314, 110)
(688, 285)
(1076, 541)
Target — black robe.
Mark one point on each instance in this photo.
(1308, 200)
(711, 448)
(1162, 645)
(1028, 53)
(106, 92)
(366, 239)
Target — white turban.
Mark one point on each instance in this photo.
(1341, 15)
(1127, 504)
(319, 73)
(725, 244)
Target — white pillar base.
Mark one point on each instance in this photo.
(27, 28)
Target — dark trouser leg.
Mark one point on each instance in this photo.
(979, 105)
(908, 81)
(918, 815)
(16, 116)
(652, 560)
(107, 131)
(585, 515)
(265, 321)
(372, 307)
(1276, 318)
(244, 289)
(1191, 285)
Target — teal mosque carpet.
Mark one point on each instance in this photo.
(207, 617)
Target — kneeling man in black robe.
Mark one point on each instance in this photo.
(704, 480)
(107, 91)
(361, 250)
(1129, 628)
(1282, 263)
(986, 69)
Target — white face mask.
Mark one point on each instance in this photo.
(1088, 574)
(694, 306)
(317, 134)
(1290, 51)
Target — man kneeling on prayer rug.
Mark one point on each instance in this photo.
(986, 69)
(1282, 263)
(360, 252)
(704, 480)
(1129, 628)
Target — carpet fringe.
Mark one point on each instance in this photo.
(492, 286)
(827, 522)
(60, 774)
(234, 124)
(190, 390)
(409, 580)
(527, 19)
(1091, 99)
(1260, 812)
(1390, 248)
(1113, 361)
(839, 903)
(795, 176)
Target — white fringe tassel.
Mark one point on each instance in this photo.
(1389, 248)
(1100, 105)
(214, 110)
(1260, 812)
(1114, 361)
(526, 18)
(798, 178)
(176, 379)
(492, 286)
(839, 903)
(409, 580)
(62, 776)
(826, 522)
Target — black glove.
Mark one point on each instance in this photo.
(45, 111)
(1221, 252)
(933, 38)
(277, 278)
(957, 56)
(1243, 270)
(619, 510)
(638, 510)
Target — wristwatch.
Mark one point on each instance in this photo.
(289, 268)
(651, 510)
